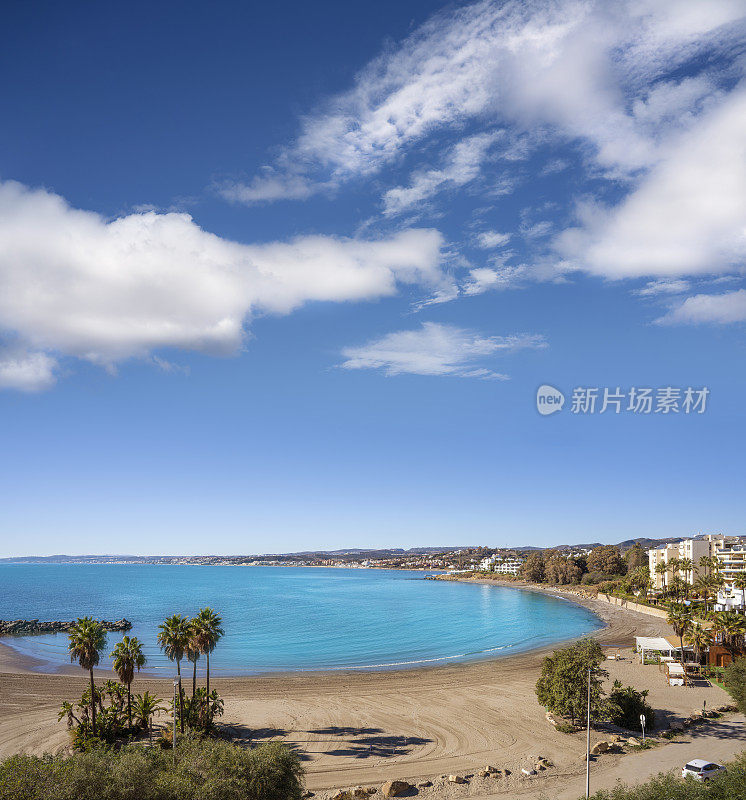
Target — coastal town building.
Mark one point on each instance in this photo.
(730, 552)
(500, 564)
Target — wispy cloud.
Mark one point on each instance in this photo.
(437, 349)
(490, 240)
(583, 71)
(75, 284)
(463, 165)
(717, 309)
(666, 287)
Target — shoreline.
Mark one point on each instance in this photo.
(361, 728)
(14, 662)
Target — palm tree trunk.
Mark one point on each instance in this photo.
(181, 701)
(208, 673)
(129, 706)
(194, 679)
(93, 702)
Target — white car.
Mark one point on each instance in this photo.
(701, 770)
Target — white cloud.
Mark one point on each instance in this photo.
(655, 288)
(484, 279)
(687, 217)
(436, 349)
(75, 284)
(27, 372)
(489, 240)
(463, 166)
(581, 69)
(723, 309)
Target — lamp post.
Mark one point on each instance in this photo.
(588, 741)
(173, 740)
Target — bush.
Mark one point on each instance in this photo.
(734, 678)
(205, 770)
(725, 786)
(625, 704)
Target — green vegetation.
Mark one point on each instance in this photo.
(563, 689)
(725, 786)
(95, 720)
(734, 677)
(563, 685)
(204, 770)
(624, 706)
(128, 657)
(87, 641)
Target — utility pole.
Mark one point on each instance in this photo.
(588, 741)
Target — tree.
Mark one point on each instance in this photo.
(533, 568)
(562, 570)
(680, 619)
(625, 704)
(146, 707)
(706, 586)
(606, 560)
(734, 677)
(87, 641)
(193, 652)
(636, 557)
(563, 685)
(640, 579)
(208, 632)
(686, 565)
(173, 639)
(128, 657)
(731, 626)
(699, 638)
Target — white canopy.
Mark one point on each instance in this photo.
(657, 643)
(675, 670)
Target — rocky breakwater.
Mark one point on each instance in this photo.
(27, 627)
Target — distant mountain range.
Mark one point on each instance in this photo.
(351, 553)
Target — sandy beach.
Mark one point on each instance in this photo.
(363, 728)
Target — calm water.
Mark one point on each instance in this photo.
(291, 618)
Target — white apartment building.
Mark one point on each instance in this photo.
(692, 549)
(732, 559)
(504, 566)
(730, 551)
(731, 599)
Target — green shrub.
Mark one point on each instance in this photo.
(624, 706)
(725, 786)
(205, 770)
(734, 678)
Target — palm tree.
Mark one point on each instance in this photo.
(732, 628)
(686, 565)
(193, 652)
(680, 619)
(207, 634)
(146, 707)
(128, 657)
(87, 641)
(662, 569)
(173, 639)
(699, 638)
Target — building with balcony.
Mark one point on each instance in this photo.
(692, 549)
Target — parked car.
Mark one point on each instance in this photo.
(701, 770)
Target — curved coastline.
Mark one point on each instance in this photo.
(14, 661)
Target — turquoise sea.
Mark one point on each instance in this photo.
(291, 618)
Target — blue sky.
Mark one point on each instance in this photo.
(282, 278)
